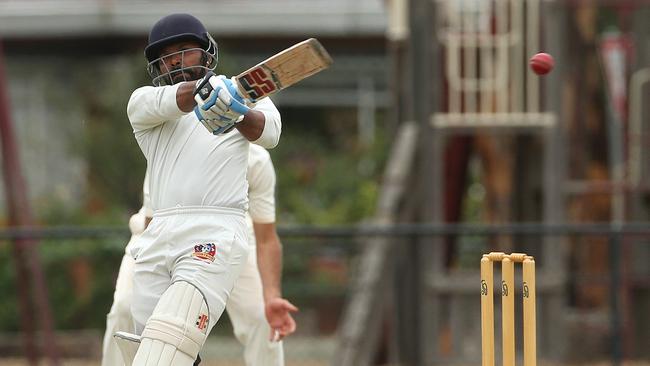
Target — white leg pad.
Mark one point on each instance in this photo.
(128, 344)
(177, 329)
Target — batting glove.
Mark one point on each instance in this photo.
(219, 104)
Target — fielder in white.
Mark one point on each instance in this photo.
(196, 145)
(246, 303)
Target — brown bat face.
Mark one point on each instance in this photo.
(257, 83)
(284, 69)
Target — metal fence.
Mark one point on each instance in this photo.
(603, 300)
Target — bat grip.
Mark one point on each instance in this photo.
(204, 88)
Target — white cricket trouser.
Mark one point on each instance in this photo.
(204, 246)
(245, 308)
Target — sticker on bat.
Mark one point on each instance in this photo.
(257, 83)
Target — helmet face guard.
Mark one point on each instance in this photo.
(172, 29)
(162, 75)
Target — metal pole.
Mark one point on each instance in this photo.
(11, 182)
(421, 66)
(27, 262)
(554, 24)
(614, 306)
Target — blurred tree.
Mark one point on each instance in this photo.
(325, 176)
(115, 163)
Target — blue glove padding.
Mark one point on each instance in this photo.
(219, 104)
(217, 125)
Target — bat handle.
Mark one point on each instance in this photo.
(204, 88)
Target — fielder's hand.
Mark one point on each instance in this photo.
(219, 106)
(278, 315)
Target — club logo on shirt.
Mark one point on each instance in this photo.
(205, 252)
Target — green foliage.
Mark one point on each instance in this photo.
(325, 176)
(9, 310)
(80, 277)
(116, 165)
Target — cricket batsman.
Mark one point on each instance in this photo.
(246, 303)
(196, 143)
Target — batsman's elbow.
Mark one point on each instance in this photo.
(270, 136)
(134, 110)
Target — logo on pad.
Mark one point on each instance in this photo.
(205, 252)
(202, 321)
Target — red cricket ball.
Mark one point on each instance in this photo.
(542, 63)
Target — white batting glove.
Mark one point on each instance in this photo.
(219, 104)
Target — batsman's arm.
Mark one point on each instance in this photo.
(265, 127)
(261, 125)
(252, 126)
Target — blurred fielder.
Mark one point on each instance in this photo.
(196, 144)
(246, 303)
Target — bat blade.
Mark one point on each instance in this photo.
(284, 69)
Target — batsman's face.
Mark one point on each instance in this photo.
(179, 61)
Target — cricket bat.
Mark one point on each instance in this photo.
(284, 69)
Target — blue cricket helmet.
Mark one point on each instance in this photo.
(175, 28)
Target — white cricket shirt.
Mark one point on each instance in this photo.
(261, 191)
(187, 165)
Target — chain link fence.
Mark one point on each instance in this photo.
(606, 293)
